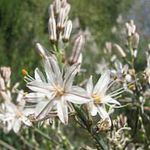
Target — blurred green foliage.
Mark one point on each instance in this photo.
(23, 23)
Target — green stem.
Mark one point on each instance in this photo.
(27, 143)
(98, 140)
(45, 136)
(7, 146)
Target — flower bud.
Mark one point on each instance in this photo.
(51, 11)
(77, 48)
(108, 47)
(57, 6)
(128, 78)
(119, 51)
(40, 49)
(62, 16)
(2, 84)
(135, 40)
(52, 29)
(130, 28)
(63, 3)
(67, 31)
(148, 48)
(5, 73)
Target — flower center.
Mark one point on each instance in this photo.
(97, 98)
(18, 114)
(59, 91)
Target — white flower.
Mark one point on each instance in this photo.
(99, 96)
(12, 116)
(55, 91)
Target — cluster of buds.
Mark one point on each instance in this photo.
(115, 49)
(132, 37)
(59, 26)
(118, 135)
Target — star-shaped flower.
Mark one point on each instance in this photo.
(99, 96)
(55, 92)
(12, 116)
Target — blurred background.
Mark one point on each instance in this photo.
(23, 23)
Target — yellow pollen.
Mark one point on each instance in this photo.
(60, 91)
(24, 72)
(97, 98)
(18, 114)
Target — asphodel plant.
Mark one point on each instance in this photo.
(54, 94)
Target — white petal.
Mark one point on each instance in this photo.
(92, 108)
(20, 96)
(40, 87)
(62, 111)
(108, 99)
(69, 76)
(56, 70)
(79, 90)
(9, 125)
(35, 97)
(28, 111)
(89, 86)
(43, 108)
(16, 126)
(76, 98)
(49, 73)
(39, 75)
(102, 83)
(26, 121)
(102, 112)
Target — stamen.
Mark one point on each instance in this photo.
(117, 93)
(24, 72)
(97, 98)
(59, 91)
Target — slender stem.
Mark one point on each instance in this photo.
(66, 141)
(27, 143)
(45, 136)
(99, 142)
(7, 146)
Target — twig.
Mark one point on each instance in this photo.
(7, 146)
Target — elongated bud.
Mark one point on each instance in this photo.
(61, 19)
(40, 49)
(130, 28)
(119, 51)
(51, 11)
(67, 31)
(133, 26)
(108, 47)
(2, 83)
(57, 6)
(148, 48)
(63, 16)
(135, 40)
(5, 73)
(52, 30)
(77, 49)
(63, 3)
